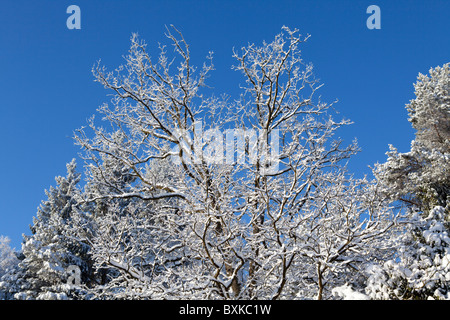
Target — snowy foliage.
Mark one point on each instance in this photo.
(157, 219)
(48, 252)
(421, 177)
(8, 266)
(346, 292)
(8, 258)
(200, 229)
(422, 268)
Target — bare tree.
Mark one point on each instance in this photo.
(282, 215)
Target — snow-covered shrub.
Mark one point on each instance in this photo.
(421, 269)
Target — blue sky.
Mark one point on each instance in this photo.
(47, 89)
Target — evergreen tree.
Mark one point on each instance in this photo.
(421, 269)
(50, 251)
(420, 179)
(8, 258)
(8, 266)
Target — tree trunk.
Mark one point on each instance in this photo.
(319, 282)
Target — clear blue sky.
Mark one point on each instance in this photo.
(47, 89)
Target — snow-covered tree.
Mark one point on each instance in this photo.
(181, 220)
(8, 266)
(420, 179)
(421, 269)
(8, 258)
(49, 251)
(123, 232)
(345, 228)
